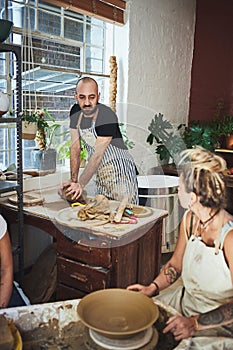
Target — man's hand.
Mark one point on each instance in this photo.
(73, 189)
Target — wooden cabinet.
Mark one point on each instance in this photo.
(86, 265)
(88, 261)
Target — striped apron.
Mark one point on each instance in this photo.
(116, 175)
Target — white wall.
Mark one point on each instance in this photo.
(154, 51)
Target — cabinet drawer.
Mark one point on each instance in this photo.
(67, 293)
(84, 250)
(81, 276)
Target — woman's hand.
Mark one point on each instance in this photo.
(147, 290)
(181, 327)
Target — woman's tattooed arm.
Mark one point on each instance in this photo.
(220, 316)
(171, 273)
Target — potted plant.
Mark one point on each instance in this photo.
(64, 150)
(201, 133)
(224, 128)
(44, 157)
(130, 144)
(64, 147)
(169, 141)
(29, 125)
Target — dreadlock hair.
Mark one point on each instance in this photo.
(202, 173)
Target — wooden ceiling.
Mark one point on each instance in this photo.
(108, 10)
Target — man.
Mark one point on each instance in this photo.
(97, 125)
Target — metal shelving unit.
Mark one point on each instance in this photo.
(8, 186)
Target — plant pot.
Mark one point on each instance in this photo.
(229, 141)
(29, 130)
(6, 27)
(226, 141)
(44, 160)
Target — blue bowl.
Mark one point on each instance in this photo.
(5, 29)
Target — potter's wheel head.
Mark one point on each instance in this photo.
(134, 342)
(117, 313)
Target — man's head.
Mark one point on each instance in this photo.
(87, 95)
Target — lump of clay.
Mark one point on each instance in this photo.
(6, 337)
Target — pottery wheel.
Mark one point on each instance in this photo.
(92, 345)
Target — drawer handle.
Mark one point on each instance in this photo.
(84, 247)
(79, 277)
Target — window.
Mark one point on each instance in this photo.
(57, 46)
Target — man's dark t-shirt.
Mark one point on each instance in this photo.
(106, 123)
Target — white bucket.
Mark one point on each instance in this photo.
(161, 191)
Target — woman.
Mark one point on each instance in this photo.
(200, 271)
(6, 265)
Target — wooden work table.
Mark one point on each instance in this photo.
(91, 259)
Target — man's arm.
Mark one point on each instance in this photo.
(75, 149)
(74, 165)
(100, 146)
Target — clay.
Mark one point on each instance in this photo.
(76, 336)
(6, 337)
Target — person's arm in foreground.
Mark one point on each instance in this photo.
(184, 327)
(6, 271)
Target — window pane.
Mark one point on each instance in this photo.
(94, 60)
(95, 35)
(95, 21)
(23, 17)
(73, 30)
(44, 5)
(75, 15)
(49, 23)
(7, 146)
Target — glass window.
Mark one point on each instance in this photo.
(94, 60)
(95, 35)
(57, 46)
(73, 29)
(49, 23)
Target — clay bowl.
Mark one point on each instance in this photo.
(117, 313)
(6, 27)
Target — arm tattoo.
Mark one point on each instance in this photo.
(171, 273)
(222, 314)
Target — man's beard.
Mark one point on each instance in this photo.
(89, 111)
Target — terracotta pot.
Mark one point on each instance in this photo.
(229, 141)
(28, 130)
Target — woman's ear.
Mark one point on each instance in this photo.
(193, 198)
